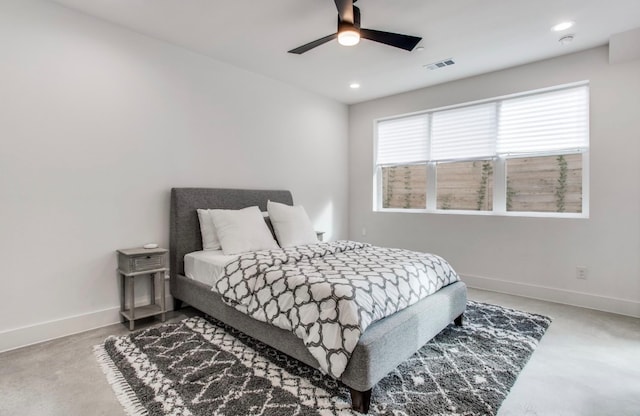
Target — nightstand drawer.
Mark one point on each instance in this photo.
(139, 264)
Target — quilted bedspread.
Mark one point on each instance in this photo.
(329, 293)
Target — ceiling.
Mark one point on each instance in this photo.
(480, 35)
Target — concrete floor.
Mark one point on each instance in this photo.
(588, 363)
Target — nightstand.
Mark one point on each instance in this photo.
(134, 263)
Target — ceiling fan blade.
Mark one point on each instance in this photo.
(345, 10)
(304, 48)
(398, 40)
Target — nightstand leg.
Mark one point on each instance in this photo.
(153, 288)
(122, 295)
(162, 295)
(132, 304)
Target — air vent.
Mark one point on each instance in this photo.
(440, 64)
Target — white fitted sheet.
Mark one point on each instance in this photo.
(206, 266)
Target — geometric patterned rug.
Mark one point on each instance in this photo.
(202, 367)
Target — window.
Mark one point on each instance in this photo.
(525, 153)
(465, 185)
(405, 186)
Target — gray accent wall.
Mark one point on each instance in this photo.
(98, 123)
(535, 257)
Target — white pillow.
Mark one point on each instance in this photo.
(242, 230)
(210, 239)
(291, 224)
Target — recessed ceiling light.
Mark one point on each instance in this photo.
(354, 85)
(562, 26)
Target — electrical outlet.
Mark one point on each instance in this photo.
(581, 273)
(364, 231)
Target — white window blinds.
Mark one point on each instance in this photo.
(536, 123)
(464, 133)
(551, 121)
(403, 140)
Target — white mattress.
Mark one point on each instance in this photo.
(206, 266)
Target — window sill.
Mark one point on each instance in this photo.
(569, 215)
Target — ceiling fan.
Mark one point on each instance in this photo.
(350, 32)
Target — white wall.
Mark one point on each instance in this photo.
(97, 123)
(535, 257)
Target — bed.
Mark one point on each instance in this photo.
(381, 347)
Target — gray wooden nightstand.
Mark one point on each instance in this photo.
(134, 262)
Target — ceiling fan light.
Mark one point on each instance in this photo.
(348, 37)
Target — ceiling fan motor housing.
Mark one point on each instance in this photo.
(346, 25)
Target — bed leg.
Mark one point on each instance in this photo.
(177, 304)
(360, 400)
(458, 320)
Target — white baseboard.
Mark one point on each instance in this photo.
(46, 331)
(551, 294)
(34, 334)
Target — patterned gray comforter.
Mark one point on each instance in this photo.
(329, 293)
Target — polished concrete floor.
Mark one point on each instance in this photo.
(588, 363)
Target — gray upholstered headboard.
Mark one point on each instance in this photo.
(184, 231)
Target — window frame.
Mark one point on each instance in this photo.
(500, 162)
